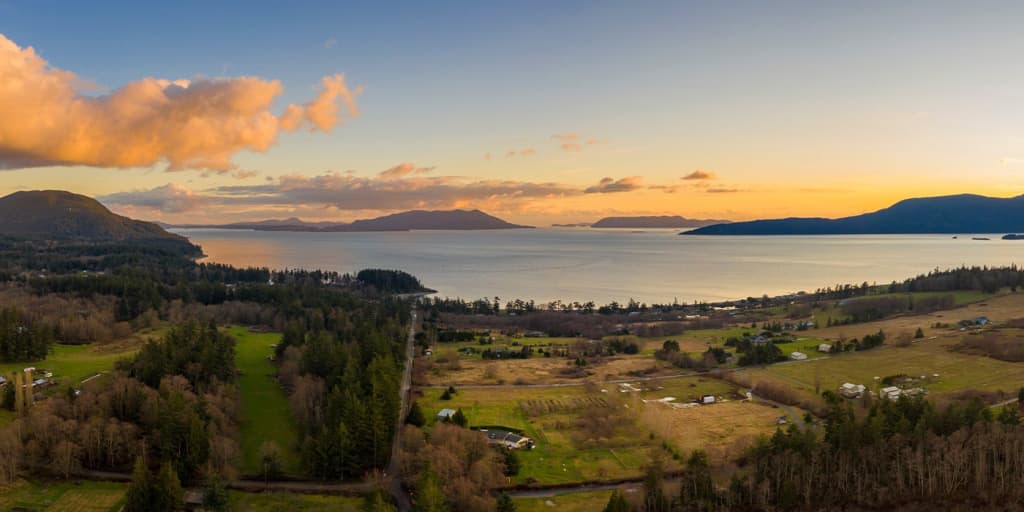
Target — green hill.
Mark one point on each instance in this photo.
(56, 214)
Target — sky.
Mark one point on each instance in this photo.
(538, 112)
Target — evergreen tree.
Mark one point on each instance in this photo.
(697, 492)
(654, 496)
(617, 503)
(505, 503)
(459, 418)
(512, 464)
(216, 497)
(415, 416)
(140, 492)
(167, 494)
(919, 334)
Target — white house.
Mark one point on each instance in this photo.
(825, 347)
(798, 356)
(445, 414)
(508, 439)
(707, 399)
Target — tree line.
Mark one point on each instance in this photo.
(907, 454)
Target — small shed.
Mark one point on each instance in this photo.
(445, 414)
(798, 356)
(825, 347)
(707, 399)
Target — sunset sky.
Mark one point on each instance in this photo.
(538, 112)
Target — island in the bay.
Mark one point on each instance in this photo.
(464, 220)
(963, 213)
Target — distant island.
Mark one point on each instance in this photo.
(660, 221)
(463, 220)
(1013, 236)
(964, 213)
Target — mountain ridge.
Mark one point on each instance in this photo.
(411, 220)
(951, 214)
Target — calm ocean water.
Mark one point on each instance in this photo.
(600, 265)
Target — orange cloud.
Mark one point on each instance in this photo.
(404, 169)
(573, 142)
(609, 185)
(243, 174)
(522, 152)
(397, 188)
(699, 175)
(189, 124)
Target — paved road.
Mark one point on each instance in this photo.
(633, 486)
(395, 486)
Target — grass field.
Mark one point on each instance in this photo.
(722, 429)
(72, 363)
(287, 502)
(540, 370)
(562, 454)
(960, 298)
(265, 413)
(956, 370)
(559, 457)
(574, 502)
(63, 496)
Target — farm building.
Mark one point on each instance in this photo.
(891, 392)
(508, 439)
(849, 390)
(2, 380)
(825, 347)
(707, 399)
(798, 356)
(445, 414)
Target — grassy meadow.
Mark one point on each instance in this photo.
(84, 496)
(561, 455)
(956, 370)
(570, 502)
(291, 502)
(265, 413)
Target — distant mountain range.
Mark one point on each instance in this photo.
(965, 213)
(56, 214)
(662, 221)
(405, 221)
